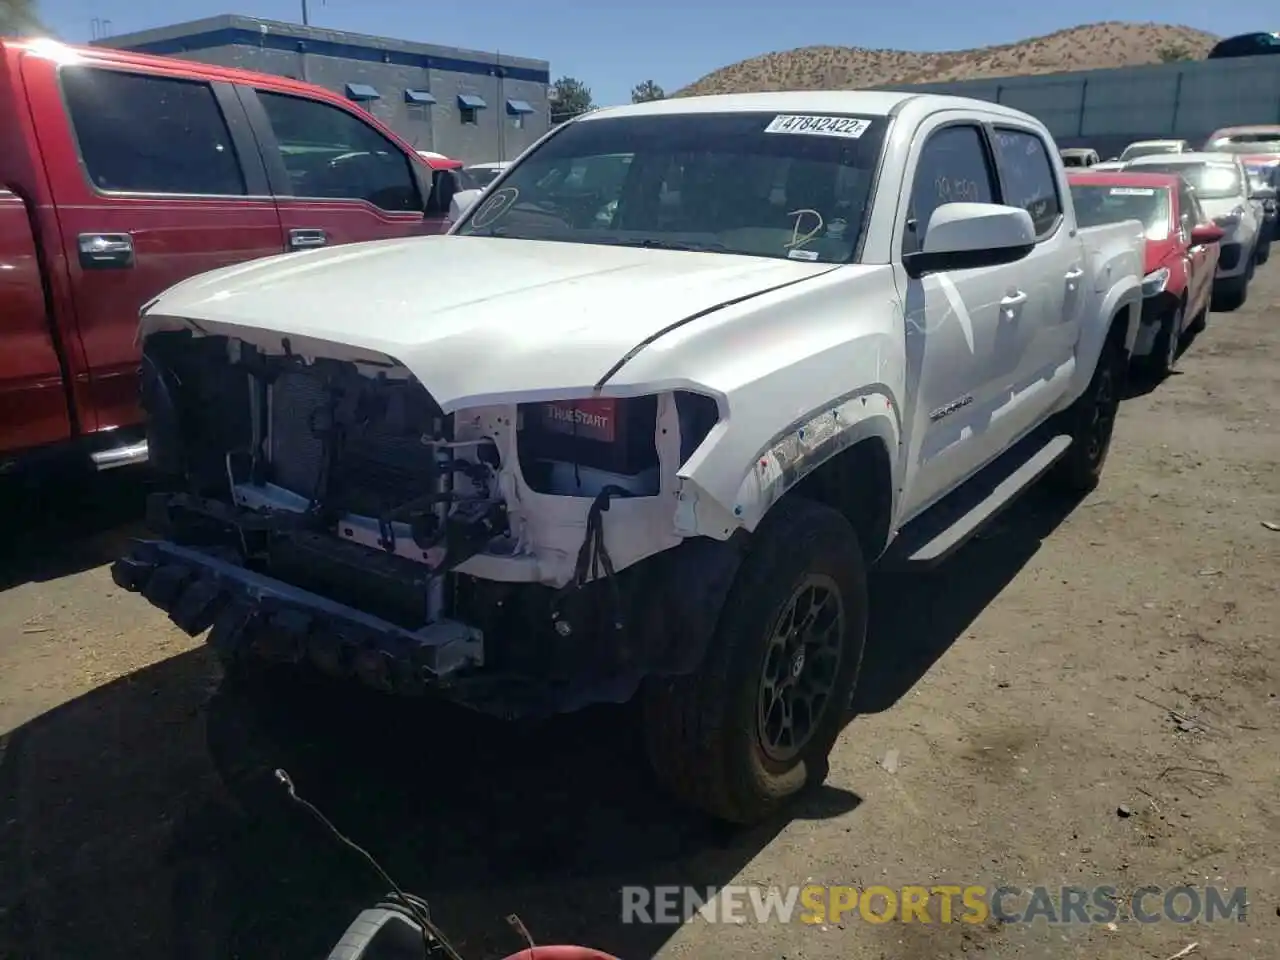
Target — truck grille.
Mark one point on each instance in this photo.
(379, 460)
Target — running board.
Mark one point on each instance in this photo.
(127, 455)
(933, 538)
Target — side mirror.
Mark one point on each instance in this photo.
(1262, 193)
(1206, 233)
(462, 201)
(966, 236)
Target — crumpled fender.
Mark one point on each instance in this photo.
(794, 453)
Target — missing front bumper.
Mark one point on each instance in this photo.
(251, 614)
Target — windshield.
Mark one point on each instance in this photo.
(1098, 205)
(759, 184)
(1075, 159)
(1268, 142)
(1211, 181)
(1148, 150)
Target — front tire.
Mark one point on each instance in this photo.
(1090, 422)
(754, 725)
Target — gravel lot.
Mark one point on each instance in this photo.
(1067, 663)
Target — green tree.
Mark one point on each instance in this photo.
(1173, 52)
(649, 90)
(569, 97)
(18, 18)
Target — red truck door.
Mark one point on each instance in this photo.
(33, 402)
(337, 178)
(155, 177)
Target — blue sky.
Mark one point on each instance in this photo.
(612, 45)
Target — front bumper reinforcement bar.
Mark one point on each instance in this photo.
(251, 614)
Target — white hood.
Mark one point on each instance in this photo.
(476, 319)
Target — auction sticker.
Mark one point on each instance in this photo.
(1133, 191)
(850, 128)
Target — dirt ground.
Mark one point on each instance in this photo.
(1067, 663)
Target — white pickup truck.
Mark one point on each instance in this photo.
(641, 422)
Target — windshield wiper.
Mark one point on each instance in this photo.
(650, 243)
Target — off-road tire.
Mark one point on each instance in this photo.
(702, 730)
(1264, 251)
(1080, 468)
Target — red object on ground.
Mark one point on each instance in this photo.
(561, 953)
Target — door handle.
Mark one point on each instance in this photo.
(1013, 301)
(105, 251)
(303, 239)
(1074, 275)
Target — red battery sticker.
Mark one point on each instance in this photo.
(592, 419)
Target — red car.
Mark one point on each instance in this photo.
(1182, 252)
(123, 174)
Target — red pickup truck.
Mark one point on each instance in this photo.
(122, 174)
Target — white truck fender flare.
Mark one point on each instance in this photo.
(794, 453)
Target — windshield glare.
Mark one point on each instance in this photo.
(1147, 150)
(757, 184)
(1211, 181)
(1098, 205)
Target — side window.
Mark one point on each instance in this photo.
(1027, 177)
(953, 168)
(147, 134)
(332, 155)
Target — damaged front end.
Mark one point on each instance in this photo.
(520, 559)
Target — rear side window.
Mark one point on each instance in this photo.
(330, 154)
(953, 168)
(1027, 177)
(148, 134)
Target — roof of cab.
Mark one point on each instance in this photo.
(1187, 158)
(876, 103)
(1249, 128)
(1117, 178)
(65, 53)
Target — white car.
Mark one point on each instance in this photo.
(1222, 185)
(485, 173)
(1153, 148)
(1079, 157)
(562, 456)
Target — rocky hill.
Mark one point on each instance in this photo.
(1089, 47)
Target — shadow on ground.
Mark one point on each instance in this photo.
(142, 820)
(63, 523)
(915, 618)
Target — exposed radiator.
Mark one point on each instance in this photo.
(297, 454)
(380, 462)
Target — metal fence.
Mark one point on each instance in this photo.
(1098, 108)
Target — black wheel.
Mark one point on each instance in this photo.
(1164, 352)
(1201, 320)
(1235, 292)
(1264, 251)
(756, 723)
(1091, 421)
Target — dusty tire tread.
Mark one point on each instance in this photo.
(684, 717)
